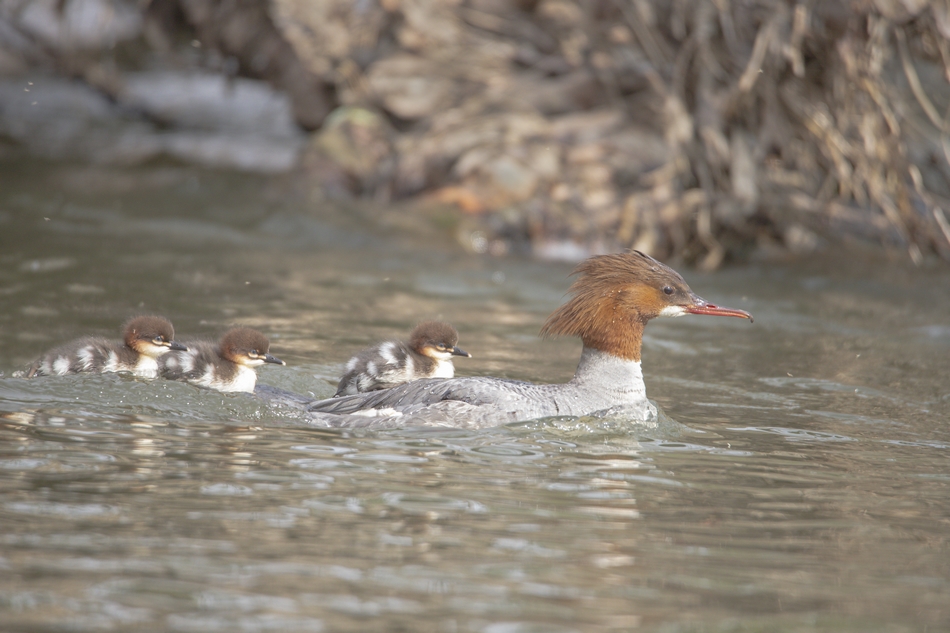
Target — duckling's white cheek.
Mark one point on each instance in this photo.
(672, 311)
(150, 349)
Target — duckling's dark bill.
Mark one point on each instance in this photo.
(273, 359)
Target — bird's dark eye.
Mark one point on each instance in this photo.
(159, 339)
(668, 289)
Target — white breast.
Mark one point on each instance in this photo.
(443, 369)
(147, 367)
(243, 380)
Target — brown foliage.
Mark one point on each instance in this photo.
(702, 129)
(697, 129)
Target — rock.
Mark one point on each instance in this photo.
(799, 239)
(492, 180)
(209, 101)
(508, 179)
(52, 116)
(247, 152)
(358, 141)
(61, 119)
(571, 92)
(410, 87)
(248, 33)
(580, 127)
(321, 31)
(76, 24)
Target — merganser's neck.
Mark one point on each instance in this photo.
(622, 340)
(617, 380)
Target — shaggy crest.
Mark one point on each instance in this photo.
(612, 299)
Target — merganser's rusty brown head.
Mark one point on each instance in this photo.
(614, 296)
(436, 339)
(246, 346)
(150, 335)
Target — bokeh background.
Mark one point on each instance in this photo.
(704, 131)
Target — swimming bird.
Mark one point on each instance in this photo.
(144, 340)
(224, 366)
(427, 354)
(612, 299)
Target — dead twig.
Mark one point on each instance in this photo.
(911, 73)
(654, 47)
(763, 41)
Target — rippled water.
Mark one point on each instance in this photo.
(798, 479)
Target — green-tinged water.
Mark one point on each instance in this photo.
(798, 478)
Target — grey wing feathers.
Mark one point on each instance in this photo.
(419, 392)
(282, 397)
(378, 399)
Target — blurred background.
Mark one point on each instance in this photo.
(706, 132)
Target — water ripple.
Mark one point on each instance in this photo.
(436, 505)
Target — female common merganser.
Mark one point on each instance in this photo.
(225, 366)
(612, 299)
(145, 339)
(428, 354)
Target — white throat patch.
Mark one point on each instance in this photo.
(673, 311)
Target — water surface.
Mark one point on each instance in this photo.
(797, 480)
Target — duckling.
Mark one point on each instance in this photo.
(428, 354)
(226, 366)
(144, 340)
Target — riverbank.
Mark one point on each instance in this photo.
(699, 133)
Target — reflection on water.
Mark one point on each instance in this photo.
(796, 479)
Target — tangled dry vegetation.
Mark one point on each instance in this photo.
(696, 129)
(703, 130)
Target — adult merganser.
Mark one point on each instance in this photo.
(613, 298)
(225, 366)
(428, 354)
(145, 339)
